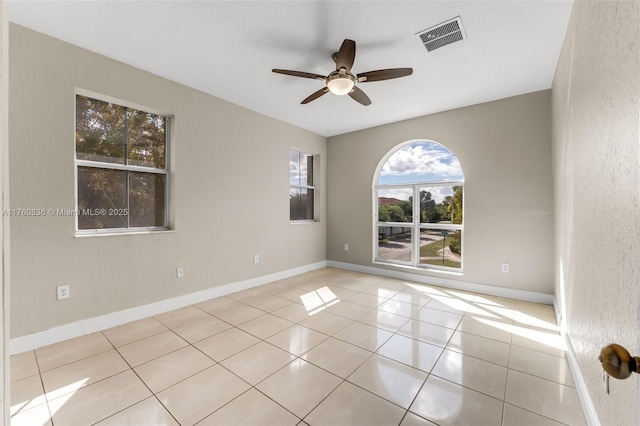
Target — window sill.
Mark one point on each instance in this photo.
(111, 234)
(415, 269)
(303, 222)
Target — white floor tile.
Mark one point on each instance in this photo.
(446, 403)
(389, 379)
(473, 373)
(546, 398)
(351, 405)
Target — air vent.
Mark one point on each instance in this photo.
(442, 34)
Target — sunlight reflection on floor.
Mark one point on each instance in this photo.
(491, 312)
(34, 411)
(318, 300)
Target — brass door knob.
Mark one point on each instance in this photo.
(618, 362)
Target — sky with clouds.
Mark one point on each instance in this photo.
(420, 162)
(298, 167)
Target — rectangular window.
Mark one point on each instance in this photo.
(122, 173)
(301, 187)
(420, 224)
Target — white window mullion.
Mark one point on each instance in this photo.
(116, 166)
(415, 259)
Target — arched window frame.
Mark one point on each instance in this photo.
(415, 225)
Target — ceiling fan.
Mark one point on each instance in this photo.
(342, 81)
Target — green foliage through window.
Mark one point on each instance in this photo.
(121, 166)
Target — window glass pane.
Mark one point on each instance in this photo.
(146, 143)
(295, 198)
(441, 247)
(307, 204)
(102, 197)
(147, 199)
(307, 167)
(441, 204)
(394, 243)
(301, 204)
(294, 168)
(300, 169)
(99, 131)
(395, 205)
(420, 162)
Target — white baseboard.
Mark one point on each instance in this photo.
(103, 322)
(528, 296)
(589, 410)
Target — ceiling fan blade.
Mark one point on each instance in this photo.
(315, 95)
(360, 96)
(299, 74)
(346, 55)
(387, 74)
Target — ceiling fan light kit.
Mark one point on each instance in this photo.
(341, 82)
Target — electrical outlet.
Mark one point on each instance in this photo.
(63, 292)
(180, 272)
(505, 267)
(346, 247)
(256, 258)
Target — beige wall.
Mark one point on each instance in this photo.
(230, 192)
(5, 372)
(504, 148)
(596, 96)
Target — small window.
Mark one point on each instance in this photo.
(121, 168)
(301, 187)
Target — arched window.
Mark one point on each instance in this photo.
(418, 192)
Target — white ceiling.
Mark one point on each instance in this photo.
(228, 48)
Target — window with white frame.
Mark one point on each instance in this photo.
(418, 218)
(122, 174)
(301, 187)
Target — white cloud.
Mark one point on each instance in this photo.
(424, 158)
(298, 168)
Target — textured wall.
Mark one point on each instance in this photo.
(595, 101)
(5, 386)
(504, 148)
(230, 192)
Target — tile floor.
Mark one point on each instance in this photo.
(329, 347)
